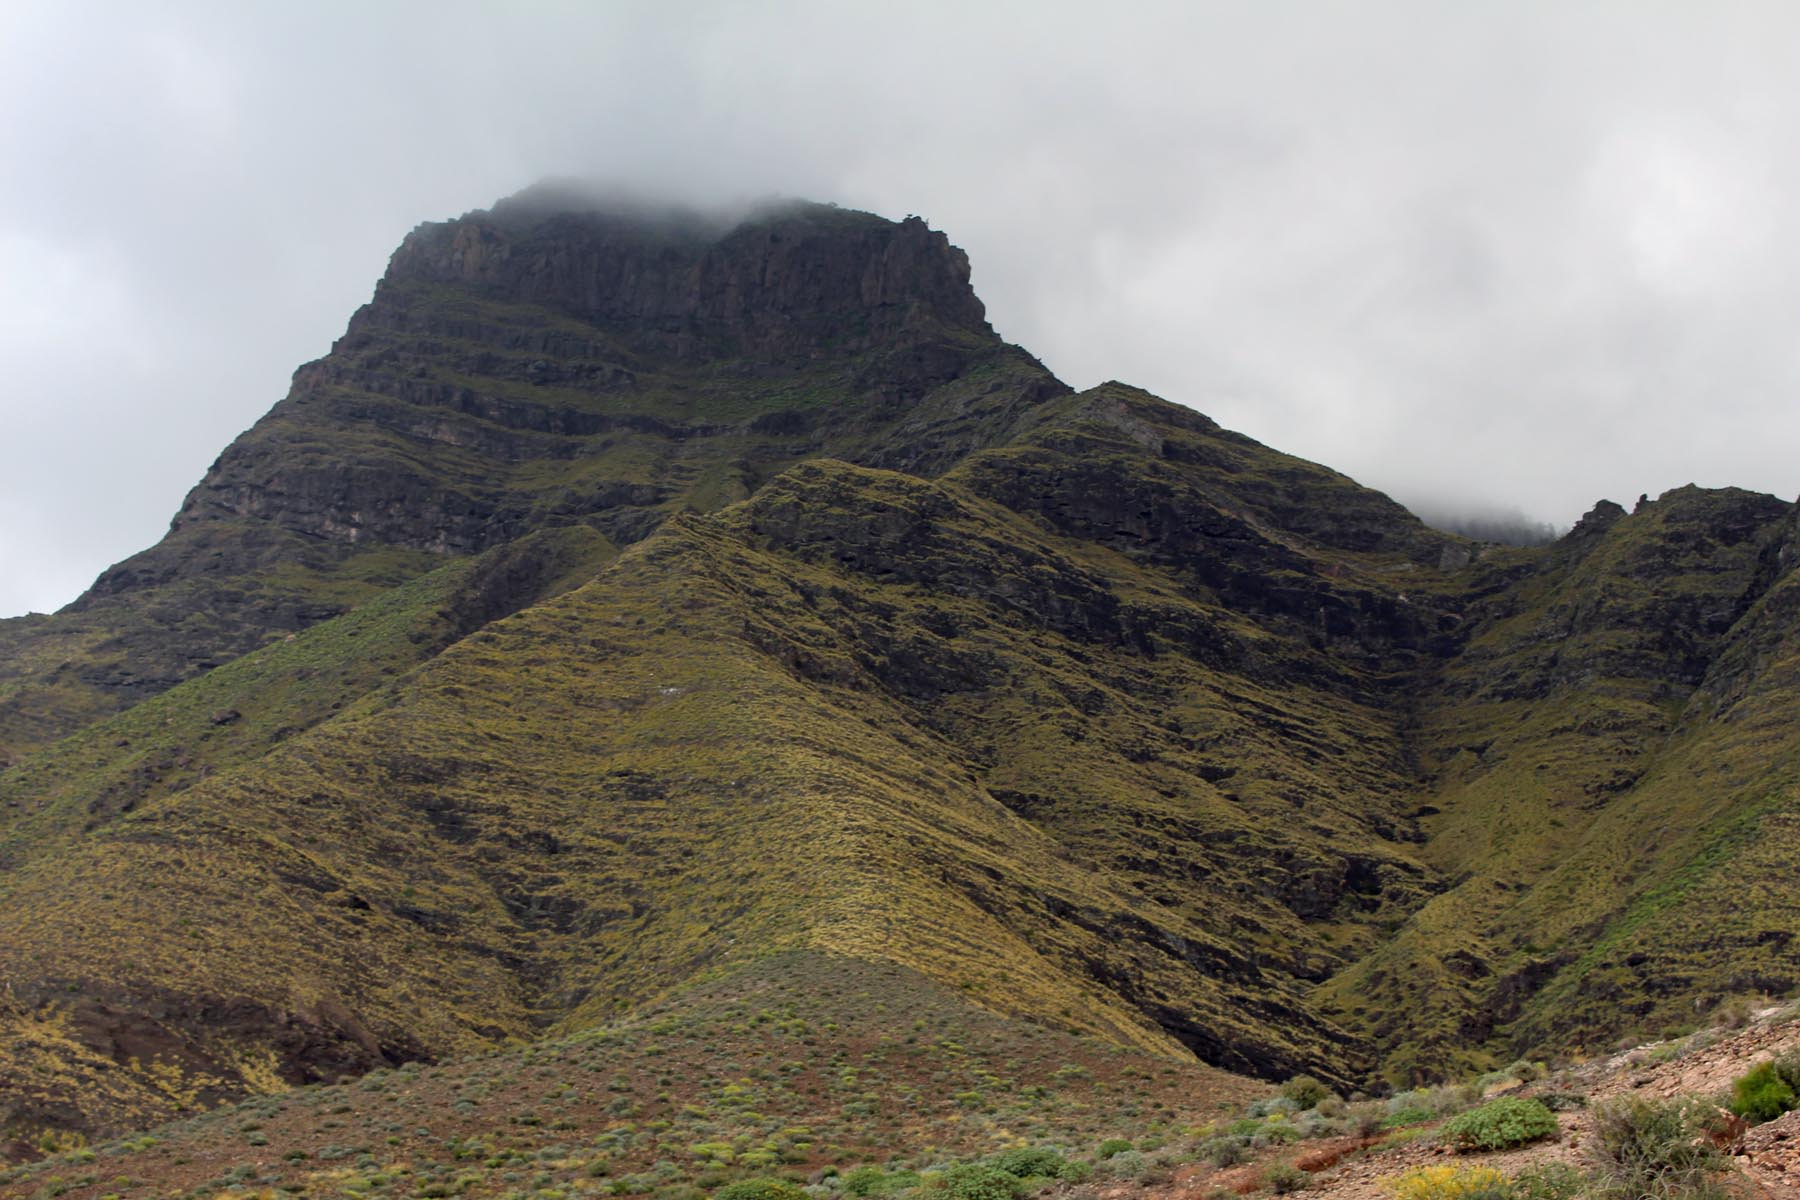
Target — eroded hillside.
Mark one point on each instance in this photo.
(628, 598)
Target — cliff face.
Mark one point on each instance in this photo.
(787, 282)
(629, 595)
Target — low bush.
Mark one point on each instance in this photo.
(1367, 1118)
(1224, 1151)
(1452, 1183)
(1126, 1164)
(1035, 1162)
(1768, 1089)
(762, 1188)
(1305, 1091)
(1112, 1146)
(1402, 1117)
(1551, 1181)
(1643, 1148)
(1761, 1094)
(981, 1181)
(1283, 1178)
(868, 1181)
(1498, 1124)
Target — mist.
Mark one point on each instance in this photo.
(1505, 526)
(1522, 256)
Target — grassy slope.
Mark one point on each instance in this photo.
(731, 701)
(1085, 730)
(1127, 723)
(791, 1063)
(1581, 780)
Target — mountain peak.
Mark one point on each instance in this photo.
(782, 279)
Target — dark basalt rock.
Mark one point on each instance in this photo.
(780, 283)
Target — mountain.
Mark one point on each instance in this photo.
(635, 601)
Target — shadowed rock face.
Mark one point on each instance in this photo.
(787, 283)
(506, 383)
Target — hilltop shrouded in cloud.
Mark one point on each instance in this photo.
(1525, 255)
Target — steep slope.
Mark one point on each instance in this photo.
(538, 366)
(630, 597)
(532, 828)
(1618, 730)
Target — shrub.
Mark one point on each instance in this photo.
(1030, 1163)
(1762, 1094)
(1508, 1121)
(1451, 1183)
(1224, 1151)
(1112, 1146)
(1551, 1181)
(1525, 1071)
(873, 1181)
(1366, 1118)
(1127, 1164)
(976, 1181)
(1426, 1104)
(1283, 1178)
(1644, 1148)
(1305, 1091)
(761, 1188)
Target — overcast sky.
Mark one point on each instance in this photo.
(1497, 255)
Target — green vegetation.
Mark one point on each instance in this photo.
(1306, 1092)
(1768, 1089)
(1498, 1124)
(1453, 1183)
(1283, 1178)
(981, 1181)
(761, 1188)
(538, 661)
(1658, 1149)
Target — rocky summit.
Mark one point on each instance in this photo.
(647, 619)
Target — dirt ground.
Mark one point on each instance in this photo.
(1767, 1158)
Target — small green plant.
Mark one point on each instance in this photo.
(873, 1181)
(1498, 1124)
(1127, 1164)
(1305, 1092)
(1112, 1146)
(1030, 1163)
(1768, 1089)
(964, 1181)
(1761, 1094)
(1224, 1151)
(761, 1188)
(1283, 1178)
(1551, 1181)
